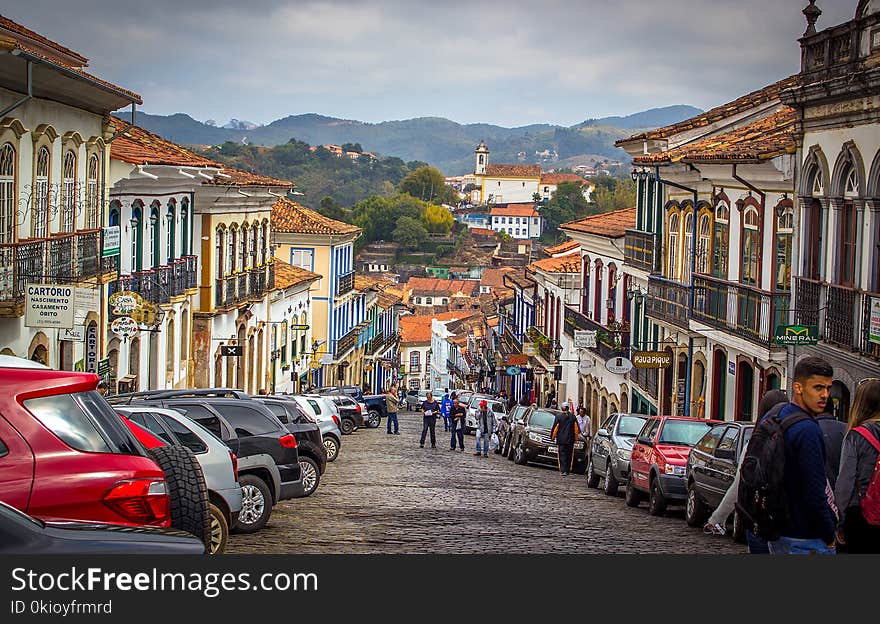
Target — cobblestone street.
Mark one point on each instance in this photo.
(384, 494)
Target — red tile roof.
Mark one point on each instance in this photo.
(484, 232)
(739, 105)
(608, 224)
(513, 171)
(494, 278)
(289, 216)
(287, 275)
(515, 210)
(763, 139)
(562, 248)
(417, 329)
(433, 284)
(570, 263)
(559, 178)
(140, 147)
(520, 279)
(236, 177)
(17, 29)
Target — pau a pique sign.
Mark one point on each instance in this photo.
(49, 306)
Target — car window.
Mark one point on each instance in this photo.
(248, 421)
(683, 432)
(149, 422)
(202, 415)
(630, 425)
(649, 429)
(314, 405)
(608, 425)
(278, 410)
(729, 440)
(498, 408)
(4, 450)
(710, 440)
(747, 435)
(187, 438)
(540, 418)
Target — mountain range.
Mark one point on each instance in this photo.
(440, 142)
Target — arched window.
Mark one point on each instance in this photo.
(784, 234)
(184, 228)
(304, 321)
(113, 217)
(184, 337)
(137, 240)
(704, 243)
(252, 252)
(848, 232)
(220, 252)
(265, 247)
(171, 231)
(672, 248)
(722, 238)
(688, 245)
(40, 220)
(244, 247)
(611, 304)
(7, 194)
(233, 249)
(597, 297)
(92, 193)
(414, 362)
(68, 191)
(585, 280)
(154, 243)
(750, 244)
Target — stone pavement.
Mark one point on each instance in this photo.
(384, 494)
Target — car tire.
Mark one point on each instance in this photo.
(331, 445)
(374, 419)
(219, 531)
(311, 475)
(346, 425)
(505, 447)
(511, 452)
(694, 508)
(592, 477)
(656, 501)
(611, 483)
(256, 505)
(519, 457)
(633, 497)
(187, 491)
(739, 529)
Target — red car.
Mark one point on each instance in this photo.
(66, 455)
(658, 460)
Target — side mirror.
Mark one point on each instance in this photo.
(603, 432)
(645, 440)
(728, 454)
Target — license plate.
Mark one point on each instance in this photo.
(551, 449)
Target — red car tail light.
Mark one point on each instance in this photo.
(234, 464)
(140, 501)
(357, 408)
(336, 419)
(288, 441)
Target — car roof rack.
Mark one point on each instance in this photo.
(225, 393)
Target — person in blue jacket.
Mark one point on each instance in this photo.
(445, 409)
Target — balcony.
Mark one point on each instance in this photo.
(543, 343)
(346, 343)
(20, 264)
(607, 346)
(739, 309)
(191, 272)
(638, 251)
(831, 53)
(87, 253)
(668, 301)
(377, 343)
(344, 283)
(241, 287)
(647, 379)
(61, 255)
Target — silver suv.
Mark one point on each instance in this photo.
(610, 451)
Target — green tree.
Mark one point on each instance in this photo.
(427, 184)
(567, 204)
(409, 233)
(329, 208)
(437, 219)
(352, 147)
(617, 197)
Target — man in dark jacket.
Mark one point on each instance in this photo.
(457, 415)
(833, 431)
(565, 432)
(430, 410)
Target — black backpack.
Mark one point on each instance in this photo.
(761, 501)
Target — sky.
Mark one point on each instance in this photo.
(509, 63)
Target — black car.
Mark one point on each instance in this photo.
(711, 468)
(309, 443)
(254, 434)
(531, 440)
(21, 534)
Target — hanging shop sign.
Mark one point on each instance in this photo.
(232, 350)
(795, 335)
(540, 370)
(874, 321)
(124, 302)
(73, 334)
(298, 327)
(49, 305)
(585, 367)
(652, 359)
(112, 237)
(529, 349)
(584, 339)
(619, 365)
(124, 327)
(516, 359)
(513, 370)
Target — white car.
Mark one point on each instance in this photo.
(326, 414)
(473, 409)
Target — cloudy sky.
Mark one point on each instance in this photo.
(511, 62)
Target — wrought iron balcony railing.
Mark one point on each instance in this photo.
(87, 253)
(668, 301)
(344, 283)
(608, 343)
(638, 250)
(346, 343)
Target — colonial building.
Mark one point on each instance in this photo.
(428, 294)
(415, 349)
(521, 221)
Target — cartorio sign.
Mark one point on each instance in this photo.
(49, 305)
(652, 359)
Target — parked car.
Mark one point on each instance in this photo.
(494, 404)
(268, 461)
(711, 468)
(610, 451)
(531, 440)
(464, 396)
(658, 460)
(21, 534)
(377, 409)
(219, 464)
(309, 443)
(326, 414)
(351, 414)
(414, 398)
(351, 391)
(505, 429)
(65, 454)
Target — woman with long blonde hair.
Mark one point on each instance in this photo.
(861, 447)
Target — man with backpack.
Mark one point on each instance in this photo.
(784, 496)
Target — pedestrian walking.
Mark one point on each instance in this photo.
(565, 431)
(391, 406)
(583, 421)
(551, 398)
(833, 432)
(445, 408)
(102, 387)
(485, 427)
(430, 409)
(457, 415)
(855, 491)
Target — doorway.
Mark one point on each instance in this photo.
(745, 391)
(719, 384)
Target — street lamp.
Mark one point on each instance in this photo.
(557, 349)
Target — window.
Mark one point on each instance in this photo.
(68, 192)
(184, 228)
(92, 193)
(414, 362)
(709, 441)
(264, 243)
(301, 258)
(171, 216)
(149, 422)
(848, 237)
(784, 234)
(750, 245)
(672, 249)
(722, 229)
(704, 243)
(219, 251)
(231, 256)
(284, 342)
(202, 415)
(243, 248)
(4, 450)
(7, 194)
(187, 438)
(137, 243)
(535, 221)
(248, 421)
(40, 220)
(154, 235)
(688, 245)
(729, 440)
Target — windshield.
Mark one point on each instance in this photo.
(630, 426)
(542, 418)
(683, 432)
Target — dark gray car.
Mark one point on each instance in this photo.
(610, 451)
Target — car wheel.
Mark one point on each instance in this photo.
(256, 505)
(520, 455)
(695, 509)
(332, 447)
(511, 452)
(374, 419)
(188, 494)
(611, 483)
(592, 477)
(505, 447)
(633, 497)
(656, 501)
(739, 529)
(219, 531)
(311, 476)
(346, 425)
